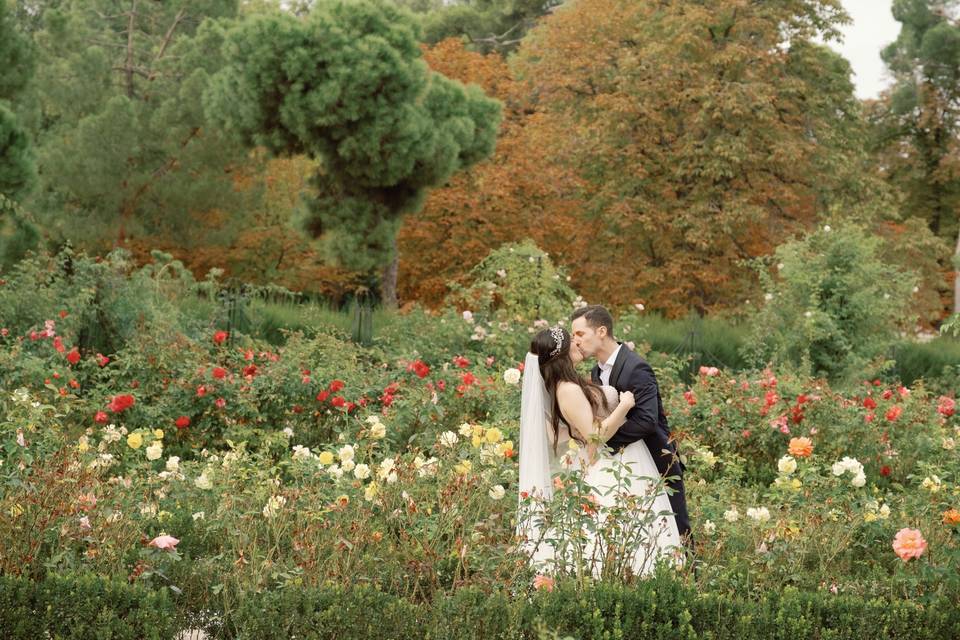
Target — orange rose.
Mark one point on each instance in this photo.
(800, 447)
(951, 517)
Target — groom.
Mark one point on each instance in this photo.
(621, 368)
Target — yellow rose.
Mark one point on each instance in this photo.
(478, 431)
(869, 516)
(477, 441)
(325, 458)
(158, 434)
(463, 467)
(134, 440)
(494, 435)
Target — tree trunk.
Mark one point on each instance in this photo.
(388, 286)
(956, 276)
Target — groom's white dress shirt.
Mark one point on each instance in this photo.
(607, 367)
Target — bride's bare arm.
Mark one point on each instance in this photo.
(576, 411)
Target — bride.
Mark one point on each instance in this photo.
(627, 521)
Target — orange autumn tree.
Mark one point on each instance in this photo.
(517, 194)
(710, 132)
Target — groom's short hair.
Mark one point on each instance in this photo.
(596, 315)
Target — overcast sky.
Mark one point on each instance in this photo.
(872, 29)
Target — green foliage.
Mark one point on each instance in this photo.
(834, 306)
(18, 235)
(517, 282)
(488, 25)
(123, 145)
(83, 607)
(16, 59)
(17, 170)
(348, 86)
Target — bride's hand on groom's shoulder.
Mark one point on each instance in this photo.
(627, 400)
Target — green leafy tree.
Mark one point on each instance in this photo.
(348, 86)
(123, 143)
(488, 25)
(17, 171)
(917, 124)
(834, 306)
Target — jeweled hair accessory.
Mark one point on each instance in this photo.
(557, 334)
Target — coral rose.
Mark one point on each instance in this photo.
(951, 517)
(800, 447)
(909, 544)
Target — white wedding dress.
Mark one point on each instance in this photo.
(623, 482)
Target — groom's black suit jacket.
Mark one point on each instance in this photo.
(646, 421)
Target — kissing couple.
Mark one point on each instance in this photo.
(620, 442)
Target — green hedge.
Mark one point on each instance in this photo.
(661, 609)
(84, 607)
(90, 607)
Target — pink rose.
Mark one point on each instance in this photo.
(165, 543)
(543, 582)
(909, 544)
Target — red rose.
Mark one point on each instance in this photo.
(461, 362)
(100, 417)
(338, 401)
(885, 471)
(894, 413)
(351, 406)
(63, 313)
(442, 385)
(946, 406)
(297, 408)
(468, 378)
(386, 400)
(322, 396)
(58, 345)
(220, 337)
(201, 391)
(121, 403)
(102, 360)
(869, 403)
(73, 357)
(419, 368)
(250, 370)
(221, 403)
(74, 384)
(887, 394)
(336, 386)
(182, 422)
(690, 398)
(219, 373)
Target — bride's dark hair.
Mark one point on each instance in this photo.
(559, 368)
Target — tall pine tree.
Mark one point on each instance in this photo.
(348, 86)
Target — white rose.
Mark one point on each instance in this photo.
(392, 477)
(155, 450)
(859, 480)
(885, 512)
(787, 465)
(731, 515)
(448, 438)
(348, 465)
(511, 376)
(709, 527)
(300, 452)
(361, 472)
(173, 464)
(288, 432)
(335, 471)
(378, 430)
(199, 515)
(373, 419)
(346, 453)
(466, 430)
(203, 482)
(496, 492)
(760, 514)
